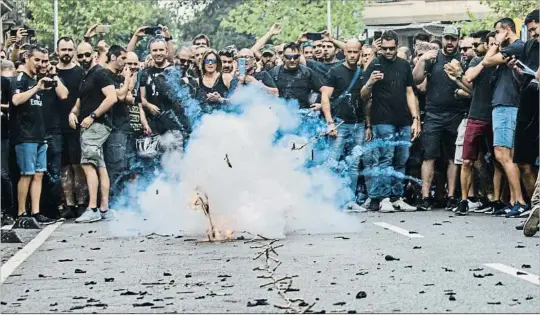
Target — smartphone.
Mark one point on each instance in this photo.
(154, 31)
(241, 66)
(526, 70)
(314, 36)
(13, 32)
(378, 67)
(50, 84)
(103, 29)
(31, 32)
(377, 35)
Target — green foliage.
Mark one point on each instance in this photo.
(75, 16)
(500, 8)
(207, 21)
(295, 16)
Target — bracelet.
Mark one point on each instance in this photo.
(415, 118)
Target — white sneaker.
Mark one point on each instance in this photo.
(367, 203)
(386, 206)
(353, 207)
(401, 205)
(89, 216)
(525, 214)
(108, 215)
(474, 205)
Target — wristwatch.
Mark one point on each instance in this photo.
(168, 38)
(415, 118)
(93, 115)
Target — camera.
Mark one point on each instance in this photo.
(154, 31)
(50, 84)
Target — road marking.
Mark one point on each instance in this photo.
(513, 272)
(9, 266)
(7, 227)
(398, 230)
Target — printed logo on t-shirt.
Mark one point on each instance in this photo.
(36, 100)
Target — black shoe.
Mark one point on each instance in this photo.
(439, 204)
(452, 203)
(463, 207)
(66, 212)
(80, 210)
(7, 220)
(41, 219)
(374, 205)
(25, 221)
(424, 205)
(520, 226)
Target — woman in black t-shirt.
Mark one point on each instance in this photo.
(213, 84)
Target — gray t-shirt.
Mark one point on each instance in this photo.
(506, 91)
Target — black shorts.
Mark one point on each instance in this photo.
(71, 148)
(526, 137)
(440, 129)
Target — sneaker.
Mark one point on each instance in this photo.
(43, 220)
(424, 205)
(7, 220)
(401, 205)
(462, 208)
(500, 212)
(452, 203)
(520, 226)
(474, 205)
(67, 212)
(107, 215)
(531, 224)
(525, 213)
(386, 206)
(89, 216)
(516, 210)
(80, 210)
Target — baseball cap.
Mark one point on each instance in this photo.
(268, 49)
(451, 30)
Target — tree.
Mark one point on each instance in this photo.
(500, 8)
(207, 21)
(296, 17)
(75, 16)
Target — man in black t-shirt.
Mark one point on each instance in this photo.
(73, 179)
(505, 102)
(117, 142)
(8, 79)
(51, 99)
(96, 97)
(444, 113)
(341, 102)
(394, 117)
(28, 133)
(293, 80)
(263, 78)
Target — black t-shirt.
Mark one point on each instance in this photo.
(26, 120)
(347, 107)
(91, 95)
(440, 89)
(482, 92)
(321, 68)
(506, 90)
(296, 83)
(529, 108)
(149, 80)
(120, 112)
(52, 112)
(389, 95)
(6, 99)
(265, 78)
(72, 79)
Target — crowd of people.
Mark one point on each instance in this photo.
(458, 112)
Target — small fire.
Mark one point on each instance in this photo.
(200, 201)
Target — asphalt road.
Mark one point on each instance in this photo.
(443, 271)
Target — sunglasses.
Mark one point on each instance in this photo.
(475, 45)
(210, 61)
(465, 48)
(291, 57)
(184, 61)
(87, 55)
(132, 63)
(392, 48)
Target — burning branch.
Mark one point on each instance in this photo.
(267, 250)
(315, 138)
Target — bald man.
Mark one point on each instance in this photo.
(96, 98)
(341, 103)
(251, 76)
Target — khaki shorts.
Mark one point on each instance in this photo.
(458, 157)
(92, 141)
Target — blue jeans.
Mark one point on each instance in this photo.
(384, 159)
(353, 136)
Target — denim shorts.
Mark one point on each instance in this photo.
(31, 157)
(504, 126)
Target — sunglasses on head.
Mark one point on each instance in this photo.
(210, 61)
(87, 55)
(291, 57)
(391, 48)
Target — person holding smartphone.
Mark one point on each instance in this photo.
(28, 134)
(248, 74)
(394, 117)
